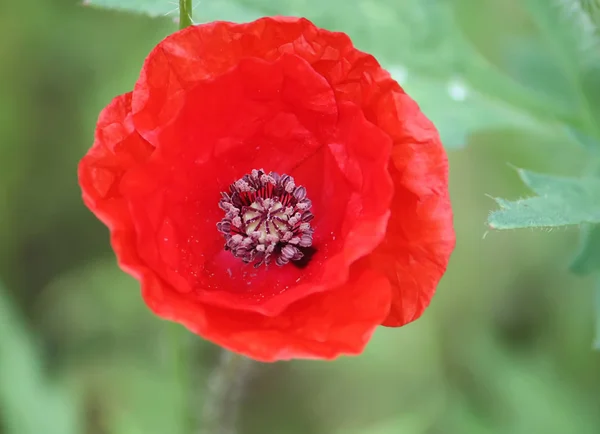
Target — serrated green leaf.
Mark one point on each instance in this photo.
(560, 201)
(30, 402)
(204, 10)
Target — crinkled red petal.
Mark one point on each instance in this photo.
(414, 263)
(117, 149)
(334, 88)
(321, 326)
(278, 115)
(420, 236)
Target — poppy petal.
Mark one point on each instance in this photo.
(117, 148)
(322, 326)
(222, 132)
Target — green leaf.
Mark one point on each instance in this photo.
(587, 259)
(550, 48)
(31, 403)
(567, 29)
(560, 201)
(592, 9)
(458, 110)
(585, 140)
(204, 11)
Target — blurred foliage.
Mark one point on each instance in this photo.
(55, 408)
(211, 10)
(505, 347)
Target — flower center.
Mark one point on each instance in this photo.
(267, 217)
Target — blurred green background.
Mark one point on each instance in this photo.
(506, 346)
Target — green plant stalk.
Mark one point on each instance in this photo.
(180, 363)
(185, 13)
(224, 394)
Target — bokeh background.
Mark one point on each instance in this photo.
(506, 347)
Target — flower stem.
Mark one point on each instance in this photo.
(185, 13)
(225, 390)
(180, 360)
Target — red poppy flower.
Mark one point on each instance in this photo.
(273, 189)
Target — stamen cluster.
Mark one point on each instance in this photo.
(267, 217)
